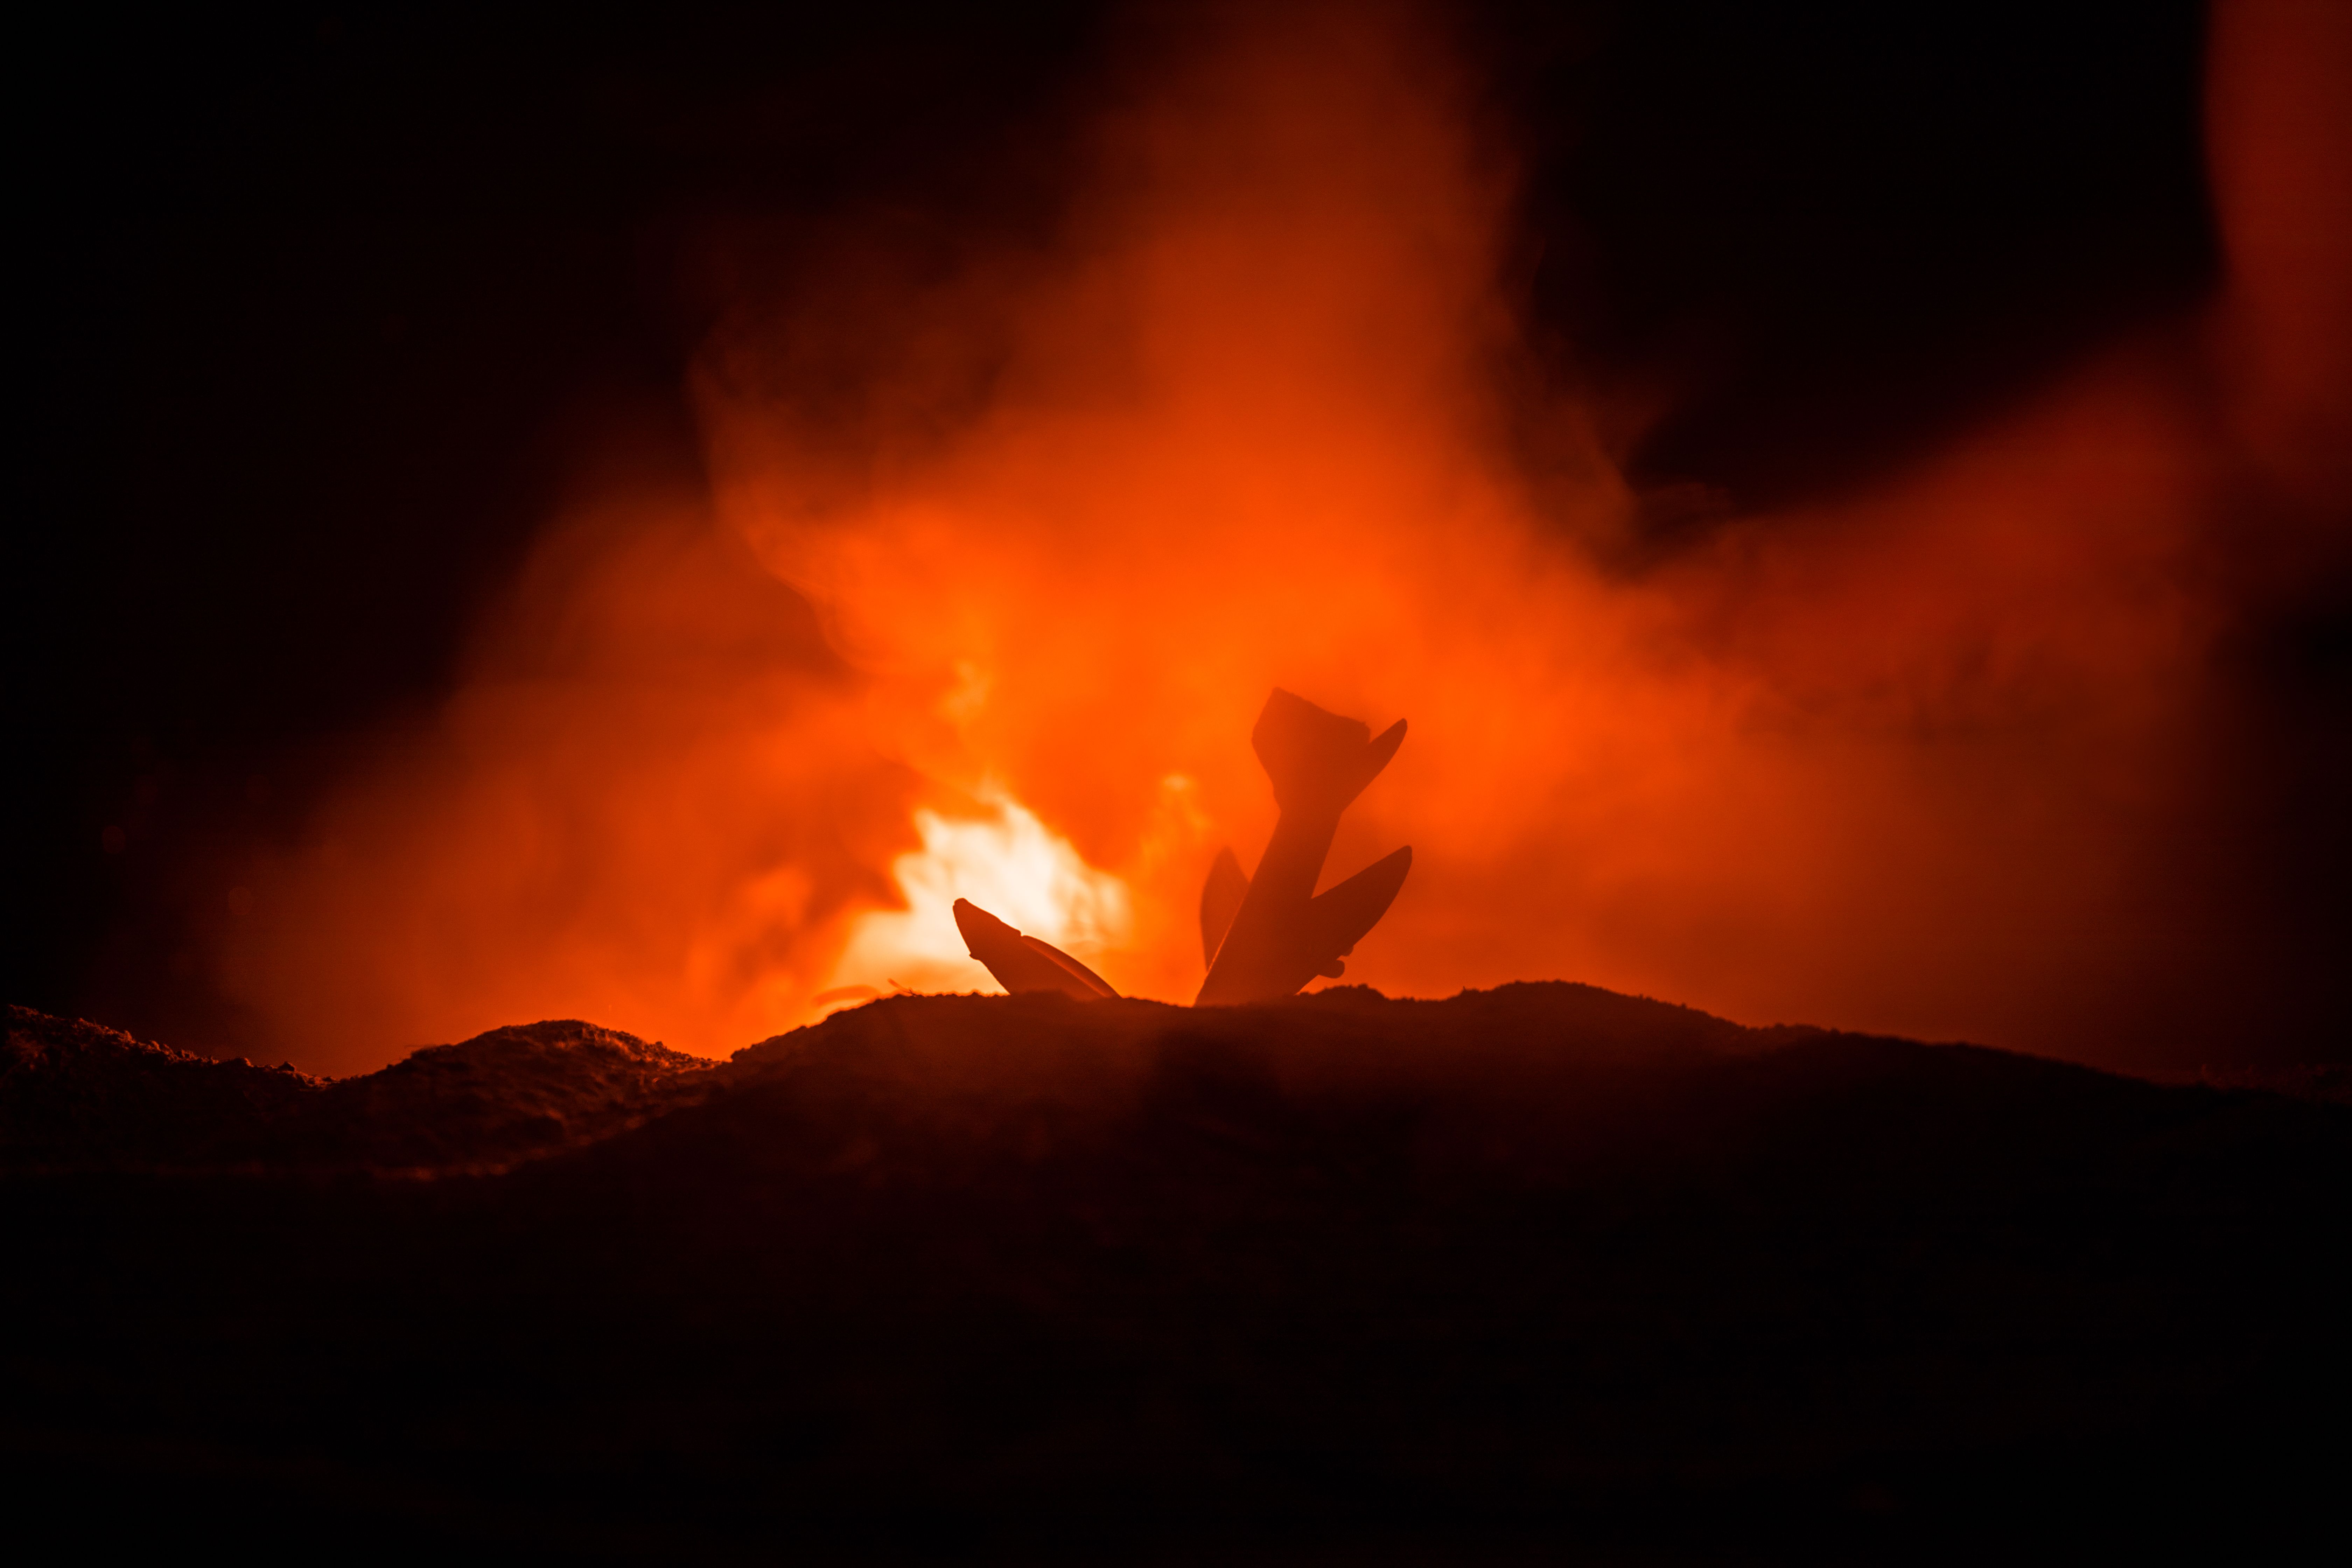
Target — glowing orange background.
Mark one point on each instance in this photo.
(1927, 761)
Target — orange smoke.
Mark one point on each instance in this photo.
(1919, 763)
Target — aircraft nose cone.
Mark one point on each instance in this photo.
(979, 927)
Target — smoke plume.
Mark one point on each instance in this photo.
(1002, 546)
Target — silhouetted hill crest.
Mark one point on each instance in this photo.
(1529, 1266)
(1536, 1077)
(75, 1095)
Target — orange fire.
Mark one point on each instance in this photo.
(1011, 864)
(1917, 762)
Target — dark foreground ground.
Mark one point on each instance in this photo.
(1537, 1273)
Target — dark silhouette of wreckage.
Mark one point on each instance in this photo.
(1263, 937)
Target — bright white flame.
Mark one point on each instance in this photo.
(1012, 866)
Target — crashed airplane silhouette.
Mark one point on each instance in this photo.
(1263, 937)
(1023, 963)
(1276, 935)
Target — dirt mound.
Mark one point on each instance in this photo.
(501, 1098)
(77, 1096)
(1534, 1272)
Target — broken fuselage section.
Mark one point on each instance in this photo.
(1263, 937)
(1023, 964)
(1266, 936)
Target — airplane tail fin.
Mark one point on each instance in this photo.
(1316, 759)
(1341, 914)
(1221, 901)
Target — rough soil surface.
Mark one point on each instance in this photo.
(75, 1093)
(1528, 1274)
(78, 1096)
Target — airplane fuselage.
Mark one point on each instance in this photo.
(1282, 936)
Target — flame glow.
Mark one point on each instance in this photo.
(1011, 865)
(1933, 760)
